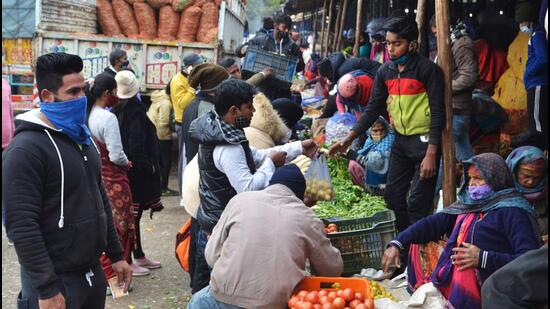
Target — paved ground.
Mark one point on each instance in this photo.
(165, 288)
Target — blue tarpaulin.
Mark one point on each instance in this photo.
(18, 18)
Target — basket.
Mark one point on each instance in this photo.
(362, 241)
(326, 283)
(257, 59)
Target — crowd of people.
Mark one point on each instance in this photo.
(79, 172)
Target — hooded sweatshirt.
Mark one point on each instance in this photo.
(57, 211)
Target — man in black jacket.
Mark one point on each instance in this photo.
(118, 59)
(57, 211)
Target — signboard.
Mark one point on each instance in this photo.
(162, 65)
(59, 46)
(95, 56)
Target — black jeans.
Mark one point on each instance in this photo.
(75, 288)
(406, 156)
(165, 152)
(201, 275)
(138, 249)
(537, 108)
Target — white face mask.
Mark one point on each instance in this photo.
(525, 29)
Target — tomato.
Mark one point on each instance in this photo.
(354, 303)
(292, 302)
(369, 303)
(306, 305)
(339, 302)
(298, 304)
(361, 306)
(328, 306)
(359, 296)
(325, 299)
(323, 293)
(302, 295)
(317, 306)
(332, 226)
(332, 295)
(348, 294)
(312, 297)
(340, 293)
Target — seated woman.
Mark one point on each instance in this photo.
(529, 167)
(489, 226)
(369, 164)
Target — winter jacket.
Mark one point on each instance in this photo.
(417, 105)
(214, 187)
(266, 128)
(536, 71)
(181, 95)
(258, 267)
(465, 73)
(7, 115)
(159, 113)
(54, 235)
(267, 42)
(110, 71)
(140, 142)
(201, 105)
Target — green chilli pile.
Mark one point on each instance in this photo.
(351, 201)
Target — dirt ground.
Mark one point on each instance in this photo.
(165, 288)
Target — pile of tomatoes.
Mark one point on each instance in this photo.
(323, 299)
(331, 228)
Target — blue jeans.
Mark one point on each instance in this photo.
(463, 147)
(204, 299)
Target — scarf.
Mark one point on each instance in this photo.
(523, 155)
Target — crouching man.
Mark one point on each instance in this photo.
(257, 261)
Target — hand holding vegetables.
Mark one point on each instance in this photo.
(309, 148)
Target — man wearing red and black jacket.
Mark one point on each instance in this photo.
(417, 112)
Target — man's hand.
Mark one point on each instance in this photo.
(427, 167)
(124, 274)
(340, 147)
(390, 258)
(278, 158)
(309, 148)
(466, 257)
(56, 302)
(267, 72)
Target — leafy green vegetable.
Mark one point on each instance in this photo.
(351, 201)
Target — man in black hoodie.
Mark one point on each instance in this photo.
(57, 211)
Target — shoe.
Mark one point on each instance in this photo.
(147, 263)
(10, 243)
(169, 192)
(138, 271)
(109, 292)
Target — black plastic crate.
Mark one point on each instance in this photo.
(257, 59)
(364, 248)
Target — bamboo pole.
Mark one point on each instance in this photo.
(342, 24)
(329, 26)
(444, 60)
(421, 20)
(337, 30)
(358, 28)
(323, 27)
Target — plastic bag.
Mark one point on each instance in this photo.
(318, 181)
(339, 126)
(168, 23)
(124, 13)
(147, 23)
(189, 24)
(106, 18)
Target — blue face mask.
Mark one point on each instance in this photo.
(401, 60)
(479, 192)
(70, 117)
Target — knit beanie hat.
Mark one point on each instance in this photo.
(289, 112)
(192, 59)
(290, 176)
(208, 76)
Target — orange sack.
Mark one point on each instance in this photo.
(131, 2)
(189, 24)
(168, 23)
(126, 19)
(209, 22)
(145, 16)
(157, 4)
(181, 5)
(107, 20)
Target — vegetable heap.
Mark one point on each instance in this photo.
(334, 299)
(378, 291)
(350, 201)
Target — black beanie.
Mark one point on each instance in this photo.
(290, 112)
(290, 176)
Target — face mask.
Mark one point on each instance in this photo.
(376, 138)
(125, 64)
(70, 117)
(525, 29)
(479, 192)
(242, 122)
(401, 60)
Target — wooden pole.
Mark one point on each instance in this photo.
(314, 16)
(342, 25)
(358, 28)
(337, 30)
(329, 26)
(421, 20)
(323, 27)
(444, 59)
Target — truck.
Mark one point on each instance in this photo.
(154, 62)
